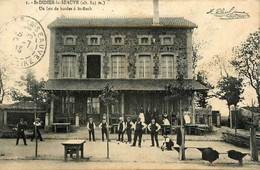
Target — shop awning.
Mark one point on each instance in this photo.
(118, 84)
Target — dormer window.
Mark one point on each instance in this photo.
(167, 39)
(94, 39)
(118, 39)
(69, 40)
(144, 39)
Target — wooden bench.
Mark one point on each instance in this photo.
(61, 124)
(73, 147)
(201, 131)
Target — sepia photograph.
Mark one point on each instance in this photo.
(129, 84)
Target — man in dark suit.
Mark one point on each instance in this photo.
(148, 115)
(20, 131)
(139, 126)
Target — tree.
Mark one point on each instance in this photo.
(196, 55)
(5, 73)
(108, 96)
(202, 96)
(32, 89)
(178, 92)
(247, 61)
(2, 87)
(231, 89)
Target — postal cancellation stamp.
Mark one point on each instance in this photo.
(23, 41)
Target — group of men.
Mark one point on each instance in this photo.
(22, 125)
(143, 121)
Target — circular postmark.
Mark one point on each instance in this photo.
(23, 41)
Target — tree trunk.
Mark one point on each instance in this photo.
(258, 98)
(107, 132)
(230, 117)
(182, 147)
(35, 131)
(2, 92)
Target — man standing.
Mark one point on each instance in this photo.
(138, 128)
(91, 129)
(103, 127)
(121, 129)
(37, 124)
(141, 114)
(148, 115)
(20, 131)
(129, 125)
(155, 114)
(154, 127)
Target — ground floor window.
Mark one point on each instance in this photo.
(93, 105)
(68, 104)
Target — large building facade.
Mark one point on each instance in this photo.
(134, 55)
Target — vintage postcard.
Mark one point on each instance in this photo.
(129, 84)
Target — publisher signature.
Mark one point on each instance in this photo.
(224, 14)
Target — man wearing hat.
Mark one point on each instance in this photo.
(37, 124)
(139, 126)
(103, 125)
(121, 129)
(91, 129)
(20, 131)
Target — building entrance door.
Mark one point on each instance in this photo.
(93, 66)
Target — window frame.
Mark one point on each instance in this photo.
(167, 66)
(118, 36)
(60, 75)
(89, 37)
(138, 65)
(124, 66)
(140, 37)
(62, 69)
(65, 37)
(65, 103)
(91, 104)
(162, 37)
(174, 74)
(126, 55)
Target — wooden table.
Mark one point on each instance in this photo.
(190, 128)
(73, 146)
(166, 129)
(61, 124)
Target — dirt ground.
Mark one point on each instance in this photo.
(122, 156)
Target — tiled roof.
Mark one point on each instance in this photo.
(177, 22)
(118, 84)
(19, 105)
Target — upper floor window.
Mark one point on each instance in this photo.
(167, 63)
(69, 40)
(94, 39)
(118, 66)
(144, 39)
(167, 39)
(68, 66)
(118, 39)
(145, 66)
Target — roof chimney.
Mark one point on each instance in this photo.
(156, 12)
